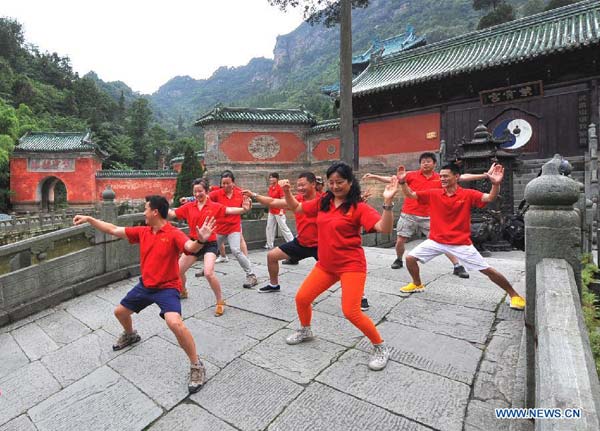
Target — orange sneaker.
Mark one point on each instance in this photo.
(220, 308)
(517, 303)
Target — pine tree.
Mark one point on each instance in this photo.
(190, 170)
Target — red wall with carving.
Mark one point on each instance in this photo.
(137, 188)
(235, 147)
(321, 151)
(399, 135)
(80, 184)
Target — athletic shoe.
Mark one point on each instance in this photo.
(200, 273)
(222, 259)
(517, 303)
(183, 294)
(302, 334)
(268, 288)
(126, 340)
(397, 264)
(251, 281)
(290, 262)
(411, 288)
(379, 357)
(460, 271)
(266, 247)
(197, 377)
(364, 304)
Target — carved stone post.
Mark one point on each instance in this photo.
(552, 230)
(108, 213)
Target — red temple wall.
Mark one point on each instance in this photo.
(235, 147)
(137, 188)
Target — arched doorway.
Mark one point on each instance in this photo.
(53, 194)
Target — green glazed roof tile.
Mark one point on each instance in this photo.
(221, 114)
(325, 126)
(56, 142)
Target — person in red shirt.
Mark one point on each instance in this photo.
(341, 215)
(230, 227)
(414, 218)
(195, 212)
(450, 209)
(305, 244)
(276, 217)
(160, 247)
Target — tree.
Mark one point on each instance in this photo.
(190, 170)
(553, 4)
(501, 12)
(139, 125)
(11, 40)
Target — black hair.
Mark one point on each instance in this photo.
(201, 181)
(274, 175)
(428, 155)
(310, 177)
(228, 174)
(159, 203)
(345, 171)
(452, 167)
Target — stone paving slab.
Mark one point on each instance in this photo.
(446, 319)
(200, 298)
(159, 369)
(26, 321)
(467, 293)
(273, 305)
(92, 310)
(300, 363)
(333, 328)
(409, 396)
(102, 400)
(114, 292)
(190, 417)
(12, 356)
(34, 341)
(247, 396)
(320, 407)
(23, 389)
(147, 322)
(22, 423)
(62, 327)
(481, 417)
(242, 321)
(217, 344)
(438, 354)
(78, 359)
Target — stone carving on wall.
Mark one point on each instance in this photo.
(264, 147)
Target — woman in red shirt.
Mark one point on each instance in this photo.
(341, 215)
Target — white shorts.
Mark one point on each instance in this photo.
(467, 255)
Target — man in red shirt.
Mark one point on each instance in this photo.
(276, 216)
(450, 209)
(160, 246)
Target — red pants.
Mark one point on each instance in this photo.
(353, 286)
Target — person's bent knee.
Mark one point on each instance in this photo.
(410, 259)
(174, 322)
(121, 311)
(303, 300)
(352, 313)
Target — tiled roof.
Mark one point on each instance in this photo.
(566, 28)
(56, 142)
(221, 114)
(136, 174)
(401, 42)
(199, 155)
(325, 126)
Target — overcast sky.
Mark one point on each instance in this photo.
(147, 42)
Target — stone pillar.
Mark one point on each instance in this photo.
(552, 230)
(108, 213)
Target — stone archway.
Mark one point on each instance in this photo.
(52, 194)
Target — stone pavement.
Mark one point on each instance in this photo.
(454, 358)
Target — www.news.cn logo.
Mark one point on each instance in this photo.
(507, 413)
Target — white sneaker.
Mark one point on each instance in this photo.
(222, 259)
(302, 334)
(379, 357)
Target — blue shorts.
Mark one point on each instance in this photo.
(209, 247)
(141, 297)
(297, 252)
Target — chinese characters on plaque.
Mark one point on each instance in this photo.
(514, 93)
(51, 165)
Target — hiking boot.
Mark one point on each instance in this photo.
(268, 288)
(411, 288)
(302, 334)
(220, 308)
(397, 264)
(126, 340)
(200, 273)
(251, 281)
(460, 271)
(364, 304)
(222, 259)
(517, 303)
(289, 262)
(183, 294)
(197, 377)
(379, 357)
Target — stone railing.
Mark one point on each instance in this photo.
(553, 236)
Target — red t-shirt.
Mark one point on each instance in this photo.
(195, 217)
(417, 183)
(230, 223)
(451, 215)
(340, 242)
(306, 226)
(276, 192)
(159, 254)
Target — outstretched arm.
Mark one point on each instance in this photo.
(246, 206)
(102, 226)
(380, 178)
(477, 177)
(266, 200)
(290, 200)
(386, 223)
(495, 179)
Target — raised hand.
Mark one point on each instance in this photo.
(285, 185)
(491, 169)
(207, 228)
(401, 173)
(247, 193)
(366, 194)
(80, 219)
(391, 189)
(497, 174)
(247, 204)
(183, 201)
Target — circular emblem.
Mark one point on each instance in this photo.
(264, 147)
(331, 149)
